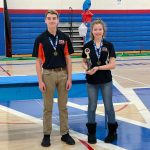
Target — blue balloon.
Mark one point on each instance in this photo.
(86, 4)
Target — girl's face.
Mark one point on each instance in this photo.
(98, 31)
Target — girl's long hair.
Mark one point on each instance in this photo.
(98, 21)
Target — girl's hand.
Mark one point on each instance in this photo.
(84, 65)
(92, 71)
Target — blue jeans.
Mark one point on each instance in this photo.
(106, 90)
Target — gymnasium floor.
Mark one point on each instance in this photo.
(21, 120)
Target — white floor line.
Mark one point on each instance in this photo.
(99, 142)
(41, 105)
(144, 68)
(117, 104)
(20, 114)
(145, 125)
(145, 87)
(131, 80)
(84, 108)
(132, 97)
(76, 134)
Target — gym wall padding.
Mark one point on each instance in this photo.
(128, 31)
(2, 33)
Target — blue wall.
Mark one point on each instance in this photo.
(2, 35)
(128, 32)
(30, 25)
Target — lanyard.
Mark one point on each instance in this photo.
(56, 42)
(98, 50)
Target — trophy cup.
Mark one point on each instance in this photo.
(88, 60)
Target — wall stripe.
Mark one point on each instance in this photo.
(1, 10)
(31, 11)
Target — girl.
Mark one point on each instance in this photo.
(98, 59)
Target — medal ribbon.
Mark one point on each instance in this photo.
(98, 50)
(56, 42)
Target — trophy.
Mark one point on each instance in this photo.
(88, 60)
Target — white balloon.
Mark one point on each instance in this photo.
(82, 30)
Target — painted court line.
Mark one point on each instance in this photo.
(145, 87)
(86, 144)
(84, 108)
(76, 134)
(15, 123)
(131, 80)
(5, 71)
(139, 68)
(18, 64)
(123, 106)
(132, 96)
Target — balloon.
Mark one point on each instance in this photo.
(82, 30)
(86, 4)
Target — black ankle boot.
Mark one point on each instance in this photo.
(46, 141)
(68, 139)
(91, 133)
(112, 134)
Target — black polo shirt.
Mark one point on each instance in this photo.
(107, 51)
(43, 49)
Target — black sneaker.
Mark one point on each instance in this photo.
(68, 139)
(46, 141)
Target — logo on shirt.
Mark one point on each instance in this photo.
(104, 49)
(61, 42)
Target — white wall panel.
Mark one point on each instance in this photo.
(1, 4)
(77, 4)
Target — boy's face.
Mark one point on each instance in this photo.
(51, 20)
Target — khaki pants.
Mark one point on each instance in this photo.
(55, 79)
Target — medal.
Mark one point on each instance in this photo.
(55, 53)
(98, 62)
(98, 52)
(54, 45)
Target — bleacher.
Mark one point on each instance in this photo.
(128, 32)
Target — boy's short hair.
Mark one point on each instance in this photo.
(52, 12)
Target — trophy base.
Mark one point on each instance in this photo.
(88, 69)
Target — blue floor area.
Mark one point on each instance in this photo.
(144, 95)
(30, 107)
(26, 87)
(129, 136)
(25, 97)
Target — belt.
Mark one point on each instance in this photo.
(57, 69)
